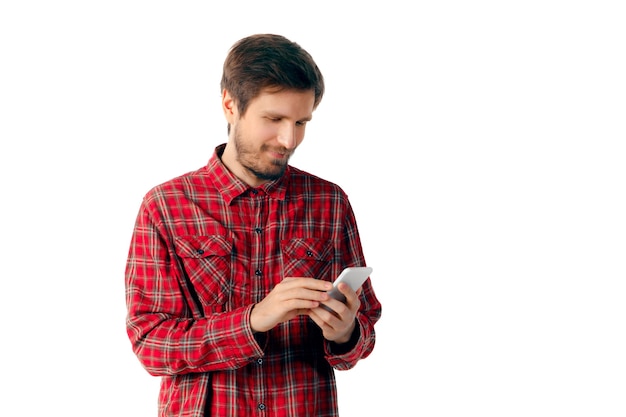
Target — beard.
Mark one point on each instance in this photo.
(252, 160)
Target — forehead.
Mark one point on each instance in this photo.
(294, 103)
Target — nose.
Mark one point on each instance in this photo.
(287, 136)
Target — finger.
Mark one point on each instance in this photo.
(332, 308)
(296, 296)
(348, 292)
(324, 317)
(307, 282)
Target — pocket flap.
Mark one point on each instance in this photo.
(308, 248)
(202, 246)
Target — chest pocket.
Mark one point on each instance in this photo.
(307, 257)
(206, 261)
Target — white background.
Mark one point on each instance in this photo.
(481, 144)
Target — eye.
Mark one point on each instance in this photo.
(302, 123)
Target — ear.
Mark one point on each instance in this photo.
(229, 107)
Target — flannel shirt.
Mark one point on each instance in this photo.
(205, 248)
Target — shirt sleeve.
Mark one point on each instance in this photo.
(364, 338)
(168, 331)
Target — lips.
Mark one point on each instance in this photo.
(279, 154)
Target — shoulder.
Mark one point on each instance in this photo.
(181, 185)
(302, 182)
(300, 177)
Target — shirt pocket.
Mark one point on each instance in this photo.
(206, 261)
(307, 257)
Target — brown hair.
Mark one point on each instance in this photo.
(269, 61)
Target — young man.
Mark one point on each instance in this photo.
(229, 265)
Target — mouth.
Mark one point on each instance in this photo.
(278, 154)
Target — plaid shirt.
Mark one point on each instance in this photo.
(205, 248)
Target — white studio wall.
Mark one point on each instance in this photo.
(481, 144)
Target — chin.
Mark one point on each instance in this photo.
(272, 174)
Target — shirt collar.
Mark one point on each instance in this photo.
(232, 187)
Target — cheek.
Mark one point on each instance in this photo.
(256, 132)
(300, 135)
(265, 131)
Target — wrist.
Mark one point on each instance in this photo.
(341, 346)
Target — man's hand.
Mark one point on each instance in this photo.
(290, 298)
(337, 325)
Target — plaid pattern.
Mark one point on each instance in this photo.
(204, 249)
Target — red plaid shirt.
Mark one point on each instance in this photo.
(205, 248)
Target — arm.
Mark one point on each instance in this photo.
(169, 332)
(351, 336)
(345, 353)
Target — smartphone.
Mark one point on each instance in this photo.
(353, 276)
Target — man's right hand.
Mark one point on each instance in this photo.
(290, 298)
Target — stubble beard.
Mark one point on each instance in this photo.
(250, 160)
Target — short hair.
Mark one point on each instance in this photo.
(262, 61)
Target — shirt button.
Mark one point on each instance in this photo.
(258, 230)
(261, 406)
(309, 253)
(199, 251)
(258, 273)
(259, 361)
(254, 191)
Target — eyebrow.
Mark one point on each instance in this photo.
(282, 116)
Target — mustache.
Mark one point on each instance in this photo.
(280, 149)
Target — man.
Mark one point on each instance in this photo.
(229, 265)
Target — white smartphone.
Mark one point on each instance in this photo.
(353, 276)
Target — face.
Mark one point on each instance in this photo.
(263, 139)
